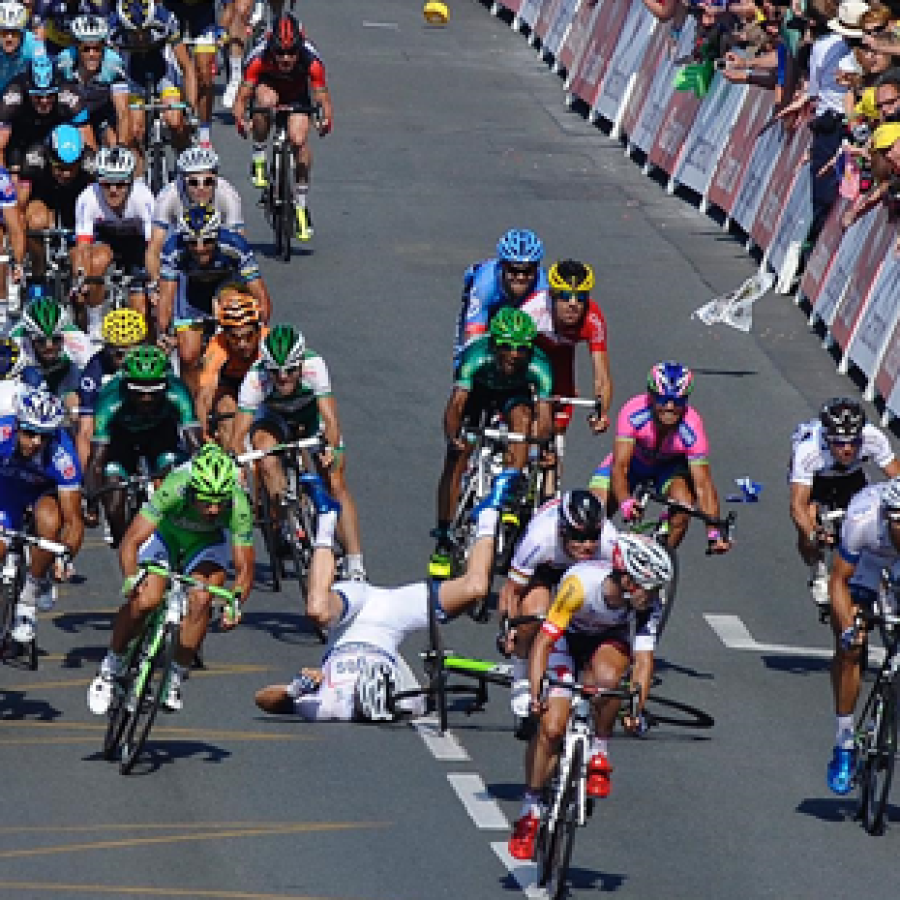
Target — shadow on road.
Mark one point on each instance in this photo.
(75, 622)
(14, 705)
(578, 880)
(165, 752)
(84, 657)
(285, 627)
(796, 665)
(836, 809)
(661, 664)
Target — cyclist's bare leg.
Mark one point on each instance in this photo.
(679, 489)
(225, 404)
(455, 462)
(845, 668)
(133, 611)
(536, 602)
(298, 135)
(95, 260)
(137, 133)
(348, 525)
(236, 18)
(196, 620)
(520, 419)
(190, 351)
(270, 466)
(114, 508)
(265, 98)
(457, 595)
(204, 60)
(608, 664)
(48, 524)
(37, 218)
(543, 749)
(176, 121)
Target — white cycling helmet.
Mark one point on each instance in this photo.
(373, 693)
(89, 29)
(13, 16)
(198, 159)
(39, 410)
(890, 498)
(647, 562)
(115, 164)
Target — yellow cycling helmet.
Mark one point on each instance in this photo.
(436, 13)
(569, 276)
(124, 327)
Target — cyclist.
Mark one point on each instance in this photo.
(510, 279)
(371, 622)
(123, 330)
(827, 471)
(52, 179)
(54, 346)
(285, 70)
(198, 183)
(604, 617)
(562, 533)
(39, 469)
(197, 260)
(147, 37)
(15, 376)
(113, 220)
(187, 525)
(870, 542)
(52, 20)
(565, 317)
(98, 73)
(285, 396)
(661, 438)
(18, 45)
(501, 373)
(144, 411)
(228, 359)
(31, 106)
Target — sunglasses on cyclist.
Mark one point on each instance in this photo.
(108, 185)
(210, 501)
(665, 400)
(845, 442)
(580, 296)
(283, 371)
(200, 241)
(286, 54)
(208, 182)
(91, 48)
(511, 345)
(55, 341)
(515, 271)
(33, 432)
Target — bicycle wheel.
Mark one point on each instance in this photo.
(555, 841)
(148, 688)
(668, 598)
(270, 536)
(274, 190)
(119, 714)
(877, 768)
(286, 210)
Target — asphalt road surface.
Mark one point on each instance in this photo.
(443, 139)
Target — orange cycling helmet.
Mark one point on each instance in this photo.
(236, 308)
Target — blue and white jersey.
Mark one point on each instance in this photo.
(865, 538)
(483, 295)
(146, 54)
(16, 63)
(29, 377)
(112, 69)
(23, 481)
(55, 16)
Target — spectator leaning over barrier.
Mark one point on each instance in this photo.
(827, 97)
(887, 142)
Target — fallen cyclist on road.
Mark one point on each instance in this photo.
(352, 683)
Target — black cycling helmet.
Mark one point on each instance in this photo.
(287, 36)
(580, 516)
(842, 419)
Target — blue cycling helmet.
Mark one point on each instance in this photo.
(39, 410)
(135, 14)
(519, 245)
(670, 381)
(37, 290)
(41, 76)
(65, 144)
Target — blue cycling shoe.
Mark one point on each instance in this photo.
(501, 491)
(321, 499)
(842, 770)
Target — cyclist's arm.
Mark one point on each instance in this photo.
(120, 100)
(705, 489)
(510, 598)
(569, 599)
(257, 288)
(93, 472)
(802, 512)
(244, 562)
(453, 413)
(138, 532)
(242, 422)
(154, 250)
(642, 674)
(623, 452)
(543, 426)
(166, 308)
(244, 94)
(72, 532)
(203, 402)
(83, 435)
(5, 135)
(892, 469)
(241, 528)
(603, 387)
(327, 406)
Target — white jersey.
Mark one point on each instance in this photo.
(258, 386)
(375, 621)
(171, 200)
(77, 345)
(542, 545)
(865, 541)
(812, 456)
(91, 208)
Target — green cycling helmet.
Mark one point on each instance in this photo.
(513, 328)
(213, 474)
(145, 368)
(44, 318)
(283, 348)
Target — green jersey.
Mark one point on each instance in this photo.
(181, 526)
(478, 368)
(114, 412)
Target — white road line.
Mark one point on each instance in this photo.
(381, 25)
(479, 804)
(735, 635)
(523, 873)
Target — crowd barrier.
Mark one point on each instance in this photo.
(620, 63)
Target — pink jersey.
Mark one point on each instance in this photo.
(636, 424)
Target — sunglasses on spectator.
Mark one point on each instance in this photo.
(515, 271)
(208, 182)
(665, 400)
(577, 296)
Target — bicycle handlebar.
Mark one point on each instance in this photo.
(643, 495)
(229, 598)
(20, 537)
(596, 405)
(501, 436)
(312, 443)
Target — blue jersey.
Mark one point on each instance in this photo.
(56, 15)
(16, 63)
(23, 481)
(483, 295)
(112, 68)
(197, 285)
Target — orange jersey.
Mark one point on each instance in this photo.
(219, 365)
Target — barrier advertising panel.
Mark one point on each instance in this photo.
(559, 27)
(577, 37)
(528, 12)
(709, 134)
(635, 36)
(753, 187)
(735, 159)
(670, 141)
(784, 250)
(546, 16)
(879, 319)
(598, 50)
(823, 253)
(658, 47)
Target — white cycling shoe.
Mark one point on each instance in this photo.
(230, 94)
(818, 585)
(24, 624)
(172, 700)
(100, 690)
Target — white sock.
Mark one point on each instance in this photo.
(599, 745)
(259, 153)
(300, 192)
(237, 60)
(204, 132)
(355, 562)
(531, 804)
(325, 530)
(520, 669)
(486, 526)
(844, 738)
(95, 320)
